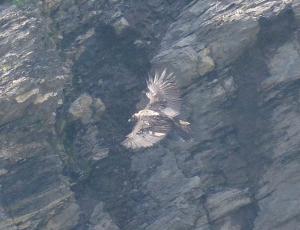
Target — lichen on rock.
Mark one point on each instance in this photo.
(87, 109)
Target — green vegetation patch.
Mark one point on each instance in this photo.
(20, 3)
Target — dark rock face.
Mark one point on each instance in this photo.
(72, 73)
(34, 192)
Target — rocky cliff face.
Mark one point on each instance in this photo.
(72, 72)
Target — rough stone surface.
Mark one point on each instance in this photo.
(34, 191)
(73, 72)
(86, 109)
(100, 220)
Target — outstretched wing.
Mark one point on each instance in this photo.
(163, 94)
(147, 132)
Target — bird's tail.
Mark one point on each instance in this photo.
(184, 128)
(184, 125)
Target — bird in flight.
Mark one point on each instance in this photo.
(160, 115)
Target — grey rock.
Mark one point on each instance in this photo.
(100, 220)
(296, 8)
(121, 25)
(3, 172)
(86, 109)
(34, 192)
(186, 61)
(81, 108)
(222, 203)
(72, 73)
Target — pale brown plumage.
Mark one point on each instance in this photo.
(155, 121)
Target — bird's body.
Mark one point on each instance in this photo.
(146, 113)
(160, 116)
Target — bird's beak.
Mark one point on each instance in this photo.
(132, 118)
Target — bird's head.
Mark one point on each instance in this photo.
(133, 117)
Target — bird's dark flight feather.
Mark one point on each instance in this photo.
(163, 94)
(155, 120)
(146, 132)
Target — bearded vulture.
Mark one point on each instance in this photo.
(160, 115)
